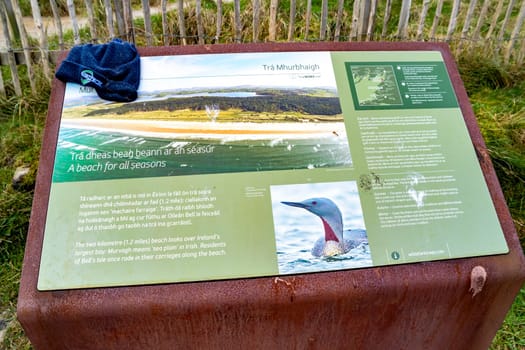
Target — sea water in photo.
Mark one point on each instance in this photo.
(297, 230)
(91, 153)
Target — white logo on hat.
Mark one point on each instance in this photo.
(87, 77)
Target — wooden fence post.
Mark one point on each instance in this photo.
(44, 50)
(324, 19)
(494, 22)
(521, 55)
(219, 21)
(355, 20)
(25, 44)
(466, 25)
(371, 20)
(422, 18)
(515, 33)
(339, 19)
(147, 22)
(91, 20)
(291, 21)
(182, 28)
(109, 18)
(200, 26)
(453, 19)
(164, 6)
(58, 23)
(437, 18)
(481, 18)
(119, 15)
(386, 19)
(364, 17)
(404, 15)
(506, 20)
(307, 19)
(2, 85)
(237, 20)
(256, 17)
(73, 16)
(273, 20)
(10, 55)
(128, 20)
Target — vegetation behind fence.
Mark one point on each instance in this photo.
(488, 27)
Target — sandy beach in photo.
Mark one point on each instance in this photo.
(171, 129)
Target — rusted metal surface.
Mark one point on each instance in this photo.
(414, 306)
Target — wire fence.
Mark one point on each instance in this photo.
(492, 28)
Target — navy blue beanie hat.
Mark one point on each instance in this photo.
(113, 69)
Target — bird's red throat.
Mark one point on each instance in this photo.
(329, 234)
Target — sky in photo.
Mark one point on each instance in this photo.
(172, 73)
(239, 69)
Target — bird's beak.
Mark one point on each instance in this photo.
(296, 204)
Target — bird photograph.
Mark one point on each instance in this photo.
(325, 231)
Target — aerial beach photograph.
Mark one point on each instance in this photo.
(237, 114)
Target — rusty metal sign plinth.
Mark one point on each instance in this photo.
(451, 304)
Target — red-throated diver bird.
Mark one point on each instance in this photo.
(333, 242)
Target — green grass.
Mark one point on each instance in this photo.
(21, 124)
(496, 93)
(497, 99)
(496, 96)
(511, 335)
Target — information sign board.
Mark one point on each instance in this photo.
(234, 165)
